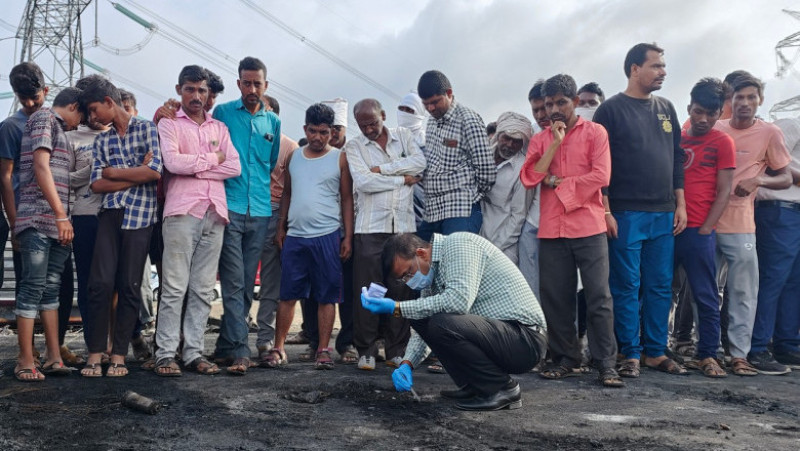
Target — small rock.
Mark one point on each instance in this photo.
(724, 427)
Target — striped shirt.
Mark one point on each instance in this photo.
(383, 202)
(461, 167)
(128, 151)
(471, 276)
(44, 130)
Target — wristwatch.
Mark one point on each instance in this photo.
(397, 313)
(552, 180)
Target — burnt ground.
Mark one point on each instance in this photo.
(360, 410)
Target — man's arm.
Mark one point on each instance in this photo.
(346, 195)
(276, 147)
(680, 219)
(479, 154)
(724, 182)
(174, 160)
(44, 178)
(364, 180)
(772, 179)
(149, 170)
(286, 199)
(611, 221)
(414, 161)
(7, 190)
(230, 165)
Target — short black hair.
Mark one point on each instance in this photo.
(709, 93)
(67, 97)
(215, 84)
(491, 128)
(638, 55)
(403, 245)
(98, 90)
(192, 73)
(252, 63)
(432, 83)
(560, 84)
(127, 96)
(593, 88)
(536, 91)
(318, 114)
(87, 80)
(27, 79)
(273, 104)
(745, 81)
(731, 77)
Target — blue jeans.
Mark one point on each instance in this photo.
(238, 262)
(471, 223)
(42, 264)
(696, 253)
(778, 311)
(642, 256)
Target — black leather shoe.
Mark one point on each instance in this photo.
(466, 392)
(509, 397)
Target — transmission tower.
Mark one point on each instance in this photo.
(785, 62)
(50, 31)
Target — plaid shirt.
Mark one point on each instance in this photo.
(128, 151)
(461, 167)
(471, 276)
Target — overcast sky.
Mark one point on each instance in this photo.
(492, 51)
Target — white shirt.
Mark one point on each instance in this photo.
(791, 135)
(383, 202)
(505, 207)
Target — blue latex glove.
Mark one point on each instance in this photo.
(402, 378)
(377, 305)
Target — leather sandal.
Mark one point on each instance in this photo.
(629, 368)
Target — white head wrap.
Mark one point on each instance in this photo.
(414, 122)
(515, 126)
(339, 106)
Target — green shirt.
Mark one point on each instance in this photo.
(471, 276)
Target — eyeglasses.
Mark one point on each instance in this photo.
(409, 274)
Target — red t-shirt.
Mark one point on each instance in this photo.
(705, 155)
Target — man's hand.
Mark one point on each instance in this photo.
(14, 240)
(402, 379)
(109, 173)
(411, 179)
(65, 232)
(377, 306)
(375, 169)
(220, 156)
(167, 110)
(345, 249)
(746, 186)
(559, 129)
(280, 237)
(679, 222)
(705, 230)
(148, 157)
(611, 226)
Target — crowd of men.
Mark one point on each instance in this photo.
(498, 248)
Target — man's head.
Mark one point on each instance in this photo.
(67, 104)
(339, 129)
(193, 88)
(436, 93)
(748, 95)
(128, 102)
(101, 100)
(27, 82)
(82, 84)
(560, 98)
(491, 129)
(252, 81)
(411, 112)
(215, 88)
(403, 255)
(536, 99)
(590, 96)
(645, 67)
(727, 112)
(319, 121)
(272, 103)
(512, 133)
(369, 116)
(705, 107)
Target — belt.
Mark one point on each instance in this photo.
(779, 203)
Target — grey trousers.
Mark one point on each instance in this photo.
(737, 253)
(558, 259)
(270, 285)
(191, 256)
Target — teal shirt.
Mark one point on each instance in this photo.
(257, 138)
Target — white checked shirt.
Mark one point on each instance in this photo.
(461, 167)
(383, 202)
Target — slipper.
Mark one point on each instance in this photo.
(201, 365)
(349, 356)
(555, 372)
(56, 369)
(711, 368)
(436, 368)
(324, 360)
(239, 367)
(669, 366)
(741, 367)
(94, 370)
(610, 378)
(119, 370)
(18, 374)
(69, 357)
(273, 358)
(167, 367)
(629, 368)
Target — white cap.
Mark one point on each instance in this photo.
(339, 107)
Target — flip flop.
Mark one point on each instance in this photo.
(56, 369)
(96, 370)
(18, 374)
(116, 367)
(239, 367)
(669, 366)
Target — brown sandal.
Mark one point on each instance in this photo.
(711, 368)
(741, 367)
(629, 368)
(201, 365)
(669, 366)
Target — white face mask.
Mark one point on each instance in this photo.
(409, 121)
(586, 113)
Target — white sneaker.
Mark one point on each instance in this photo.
(394, 362)
(366, 363)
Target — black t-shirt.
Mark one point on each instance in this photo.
(646, 156)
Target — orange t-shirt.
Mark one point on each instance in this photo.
(757, 147)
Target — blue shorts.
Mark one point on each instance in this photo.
(312, 265)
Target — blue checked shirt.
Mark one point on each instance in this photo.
(128, 151)
(461, 167)
(471, 276)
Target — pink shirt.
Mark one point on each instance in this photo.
(195, 182)
(757, 147)
(583, 162)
